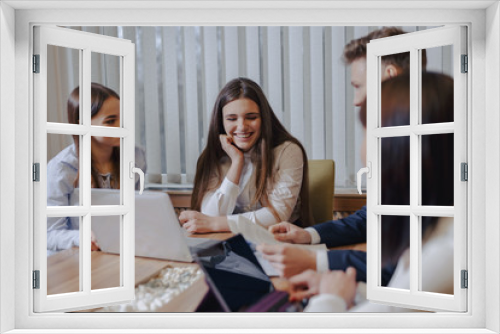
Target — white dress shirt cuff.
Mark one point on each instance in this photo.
(326, 303)
(232, 222)
(315, 238)
(322, 261)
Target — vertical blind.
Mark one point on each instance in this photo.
(180, 70)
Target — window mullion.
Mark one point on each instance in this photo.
(415, 269)
(85, 170)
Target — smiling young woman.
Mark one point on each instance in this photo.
(251, 166)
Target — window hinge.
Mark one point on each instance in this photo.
(465, 279)
(465, 64)
(36, 172)
(464, 171)
(36, 63)
(36, 279)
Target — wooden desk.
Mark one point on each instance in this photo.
(63, 270)
(63, 273)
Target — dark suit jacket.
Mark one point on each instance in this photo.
(348, 231)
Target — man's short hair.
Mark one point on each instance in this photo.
(357, 49)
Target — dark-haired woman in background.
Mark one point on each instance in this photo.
(251, 167)
(62, 170)
(337, 289)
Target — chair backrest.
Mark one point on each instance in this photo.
(321, 189)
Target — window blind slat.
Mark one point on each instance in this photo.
(151, 105)
(286, 78)
(434, 59)
(191, 103)
(296, 82)
(130, 33)
(231, 52)
(252, 53)
(171, 105)
(112, 63)
(211, 77)
(338, 99)
(274, 73)
(328, 92)
(307, 121)
(317, 93)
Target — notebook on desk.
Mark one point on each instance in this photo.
(158, 233)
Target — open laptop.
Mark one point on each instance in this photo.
(158, 233)
(237, 282)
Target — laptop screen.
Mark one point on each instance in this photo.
(232, 268)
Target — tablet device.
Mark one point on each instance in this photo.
(237, 282)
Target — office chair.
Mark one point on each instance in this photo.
(321, 189)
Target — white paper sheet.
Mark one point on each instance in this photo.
(257, 234)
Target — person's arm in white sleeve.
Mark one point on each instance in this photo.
(315, 237)
(322, 264)
(336, 291)
(222, 201)
(286, 188)
(62, 238)
(326, 303)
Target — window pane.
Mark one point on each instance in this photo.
(395, 242)
(106, 263)
(105, 171)
(106, 112)
(399, 96)
(437, 169)
(62, 170)
(63, 267)
(395, 167)
(63, 70)
(105, 79)
(439, 92)
(437, 255)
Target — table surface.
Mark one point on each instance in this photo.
(63, 268)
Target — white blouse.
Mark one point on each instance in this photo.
(233, 200)
(437, 269)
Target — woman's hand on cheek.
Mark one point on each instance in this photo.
(234, 153)
(196, 222)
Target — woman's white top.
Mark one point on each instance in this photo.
(437, 269)
(62, 233)
(232, 200)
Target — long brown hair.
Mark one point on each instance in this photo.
(99, 94)
(273, 134)
(437, 156)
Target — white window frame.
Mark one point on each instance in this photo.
(412, 43)
(483, 100)
(85, 43)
